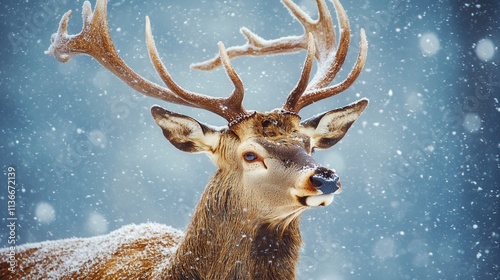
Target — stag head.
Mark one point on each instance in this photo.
(264, 158)
(267, 156)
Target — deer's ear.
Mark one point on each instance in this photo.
(328, 128)
(186, 133)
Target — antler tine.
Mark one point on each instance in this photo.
(230, 108)
(330, 61)
(330, 58)
(322, 28)
(318, 87)
(312, 96)
(95, 40)
(236, 99)
(301, 86)
(257, 46)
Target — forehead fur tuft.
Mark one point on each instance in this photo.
(277, 123)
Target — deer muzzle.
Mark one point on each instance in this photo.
(327, 183)
(325, 180)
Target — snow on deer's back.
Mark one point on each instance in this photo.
(131, 252)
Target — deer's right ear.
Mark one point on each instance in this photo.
(328, 128)
(186, 133)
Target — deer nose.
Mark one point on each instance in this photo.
(325, 180)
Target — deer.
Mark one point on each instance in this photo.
(246, 223)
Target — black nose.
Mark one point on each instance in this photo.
(325, 180)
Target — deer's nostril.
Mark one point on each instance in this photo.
(316, 181)
(326, 184)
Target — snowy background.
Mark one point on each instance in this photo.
(420, 169)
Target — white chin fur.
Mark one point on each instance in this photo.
(319, 200)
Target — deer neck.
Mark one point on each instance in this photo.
(226, 240)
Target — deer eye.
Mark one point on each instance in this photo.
(250, 156)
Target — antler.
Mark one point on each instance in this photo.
(330, 59)
(95, 40)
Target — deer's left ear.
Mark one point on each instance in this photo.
(186, 133)
(328, 128)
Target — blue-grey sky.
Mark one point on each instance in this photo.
(420, 168)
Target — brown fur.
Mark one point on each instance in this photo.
(223, 239)
(132, 252)
(237, 232)
(246, 224)
(226, 239)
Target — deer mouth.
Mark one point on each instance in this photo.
(316, 200)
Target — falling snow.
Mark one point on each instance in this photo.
(45, 213)
(419, 170)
